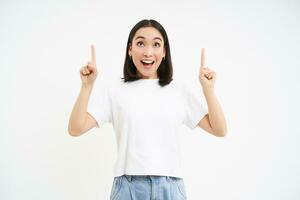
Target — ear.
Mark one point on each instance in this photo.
(164, 54)
(129, 50)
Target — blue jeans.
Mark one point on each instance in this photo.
(137, 187)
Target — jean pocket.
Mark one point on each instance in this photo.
(116, 187)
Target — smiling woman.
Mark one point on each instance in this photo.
(150, 117)
(146, 109)
(148, 53)
(147, 49)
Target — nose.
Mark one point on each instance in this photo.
(148, 52)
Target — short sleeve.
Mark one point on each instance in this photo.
(194, 108)
(99, 105)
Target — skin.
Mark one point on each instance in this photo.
(214, 122)
(147, 44)
(88, 73)
(80, 121)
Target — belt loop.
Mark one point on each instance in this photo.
(150, 177)
(168, 178)
(128, 177)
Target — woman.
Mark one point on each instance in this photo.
(146, 110)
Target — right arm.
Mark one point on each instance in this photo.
(80, 120)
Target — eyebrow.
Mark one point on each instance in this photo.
(141, 37)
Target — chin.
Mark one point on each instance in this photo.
(145, 74)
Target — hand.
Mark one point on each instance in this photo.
(88, 73)
(207, 77)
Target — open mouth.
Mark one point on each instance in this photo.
(147, 63)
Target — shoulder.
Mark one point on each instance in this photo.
(180, 85)
(189, 88)
(175, 83)
(104, 86)
(115, 86)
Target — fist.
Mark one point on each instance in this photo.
(207, 76)
(89, 72)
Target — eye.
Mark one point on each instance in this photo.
(139, 43)
(157, 44)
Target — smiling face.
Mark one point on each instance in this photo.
(147, 50)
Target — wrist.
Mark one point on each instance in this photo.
(208, 89)
(87, 86)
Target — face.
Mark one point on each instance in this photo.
(147, 51)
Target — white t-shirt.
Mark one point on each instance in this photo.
(146, 119)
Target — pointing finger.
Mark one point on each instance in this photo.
(203, 57)
(93, 54)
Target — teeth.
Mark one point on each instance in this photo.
(148, 61)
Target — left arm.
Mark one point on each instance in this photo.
(214, 122)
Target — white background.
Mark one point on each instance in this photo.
(252, 45)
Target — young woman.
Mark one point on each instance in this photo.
(146, 110)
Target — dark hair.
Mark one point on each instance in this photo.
(165, 69)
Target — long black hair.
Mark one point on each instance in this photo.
(165, 69)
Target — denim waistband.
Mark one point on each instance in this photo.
(148, 177)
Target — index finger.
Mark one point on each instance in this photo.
(93, 54)
(203, 57)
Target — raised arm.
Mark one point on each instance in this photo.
(80, 121)
(214, 122)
